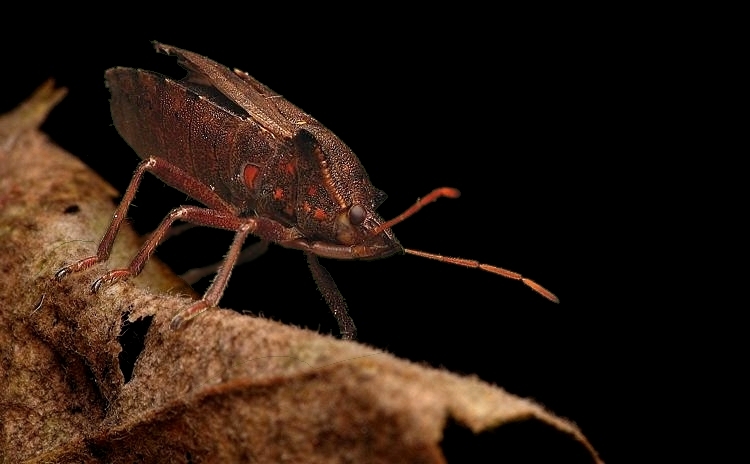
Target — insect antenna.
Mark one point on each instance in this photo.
(453, 193)
(421, 203)
(489, 268)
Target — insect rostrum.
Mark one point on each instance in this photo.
(261, 167)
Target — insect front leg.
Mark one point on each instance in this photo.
(170, 174)
(218, 213)
(105, 246)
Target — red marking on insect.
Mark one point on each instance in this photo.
(290, 167)
(319, 214)
(264, 186)
(249, 174)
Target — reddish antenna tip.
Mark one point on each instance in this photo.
(488, 268)
(541, 290)
(449, 192)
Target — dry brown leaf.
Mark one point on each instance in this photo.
(227, 388)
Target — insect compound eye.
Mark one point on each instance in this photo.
(357, 215)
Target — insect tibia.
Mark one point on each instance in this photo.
(489, 268)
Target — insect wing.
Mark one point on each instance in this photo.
(258, 106)
(163, 118)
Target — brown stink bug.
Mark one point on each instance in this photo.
(261, 167)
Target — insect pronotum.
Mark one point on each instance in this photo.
(261, 166)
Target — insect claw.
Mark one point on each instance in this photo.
(76, 267)
(62, 273)
(38, 306)
(346, 335)
(176, 322)
(97, 285)
(110, 278)
(188, 313)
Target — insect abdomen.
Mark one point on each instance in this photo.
(170, 122)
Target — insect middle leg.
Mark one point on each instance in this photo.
(216, 290)
(250, 253)
(193, 214)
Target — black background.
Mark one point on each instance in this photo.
(523, 117)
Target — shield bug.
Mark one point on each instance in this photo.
(260, 166)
